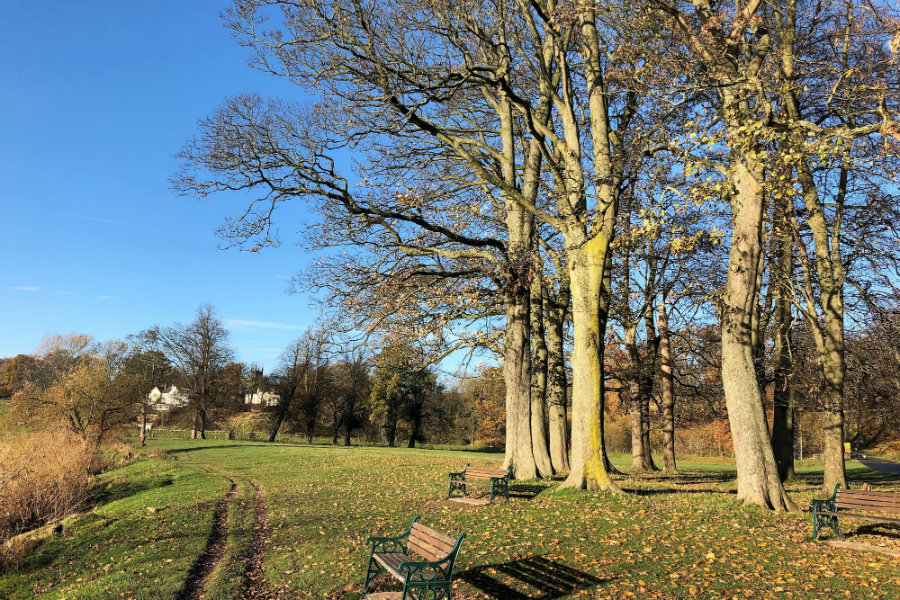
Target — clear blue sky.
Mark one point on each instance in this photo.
(96, 98)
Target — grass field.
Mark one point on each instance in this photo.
(665, 539)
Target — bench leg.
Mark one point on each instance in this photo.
(426, 592)
(456, 485)
(815, 524)
(836, 527)
(374, 571)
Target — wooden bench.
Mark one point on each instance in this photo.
(497, 478)
(429, 578)
(858, 504)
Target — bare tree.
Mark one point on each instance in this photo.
(200, 352)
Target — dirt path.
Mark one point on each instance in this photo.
(254, 584)
(198, 577)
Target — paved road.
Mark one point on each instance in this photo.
(880, 464)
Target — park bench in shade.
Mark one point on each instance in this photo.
(498, 479)
(883, 507)
(422, 579)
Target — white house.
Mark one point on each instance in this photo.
(260, 398)
(167, 399)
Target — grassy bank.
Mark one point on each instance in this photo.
(667, 538)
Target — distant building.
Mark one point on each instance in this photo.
(167, 399)
(260, 399)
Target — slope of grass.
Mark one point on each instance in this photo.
(667, 538)
(152, 521)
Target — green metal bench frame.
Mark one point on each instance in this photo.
(499, 485)
(422, 580)
(884, 505)
(825, 520)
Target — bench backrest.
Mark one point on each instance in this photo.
(428, 543)
(482, 473)
(884, 502)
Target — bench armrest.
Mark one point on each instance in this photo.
(388, 544)
(826, 504)
(460, 476)
(437, 570)
(391, 544)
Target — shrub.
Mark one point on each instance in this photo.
(249, 425)
(44, 476)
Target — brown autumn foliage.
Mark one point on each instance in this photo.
(44, 476)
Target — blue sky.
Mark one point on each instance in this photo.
(96, 99)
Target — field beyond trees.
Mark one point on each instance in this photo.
(667, 538)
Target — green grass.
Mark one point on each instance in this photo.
(665, 539)
(120, 549)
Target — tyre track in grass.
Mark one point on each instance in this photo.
(254, 585)
(194, 586)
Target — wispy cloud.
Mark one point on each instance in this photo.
(245, 324)
(262, 350)
(104, 297)
(26, 288)
(99, 220)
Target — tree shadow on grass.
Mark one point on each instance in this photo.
(665, 491)
(855, 478)
(677, 484)
(212, 447)
(527, 491)
(536, 577)
(882, 529)
(123, 489)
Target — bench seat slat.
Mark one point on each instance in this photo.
(434, 546)
(862, 504)
(485, 473)
(842, 492)
(833, 513)
(845, 496)
(428, 531)
(391, 562)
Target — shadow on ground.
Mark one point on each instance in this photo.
(526, 491)
(856, 476)
(683, 483)
(118, 490)
(212, 447)
(536, 577)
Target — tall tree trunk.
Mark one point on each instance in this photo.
(557, 386)
(828, 327)
(516, 291)
(283, 406)
(648, 365)
(586, 461)
(539, 443)
(310, 427)
(758, 480)
(782, 386)
(517, 374)
(667, 392)
(605, 293)
(638, 458)
(390, 429)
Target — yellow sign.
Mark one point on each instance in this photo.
(846, 446)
